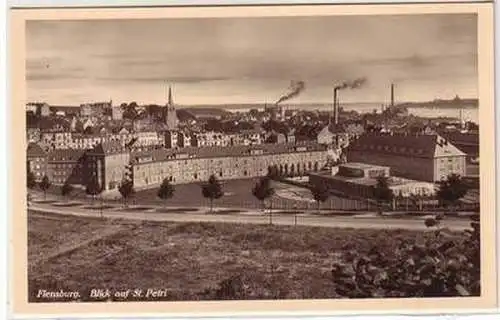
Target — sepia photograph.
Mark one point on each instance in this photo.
(272, 157)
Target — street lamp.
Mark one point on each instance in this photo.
(295, 214)
(271, 211)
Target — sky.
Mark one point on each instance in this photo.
(252, 60)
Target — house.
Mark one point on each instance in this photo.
(333, 135)
(418, 157)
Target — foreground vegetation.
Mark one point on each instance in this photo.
(208, 261)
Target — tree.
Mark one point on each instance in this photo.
(88, 130)
(212, 190)
(126, 189)
(382, 193)
(30, 180)
(273, 172)
(263, 190)
(66, 189)
(451, 189)
(320, 193)
(93, 188)
(166, 190)
(45, 185)
(130, 111)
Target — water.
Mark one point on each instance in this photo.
(468, 114)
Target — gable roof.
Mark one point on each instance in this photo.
(424, 146)
(231, 151)
(34, 150)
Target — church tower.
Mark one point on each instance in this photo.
(170, 114)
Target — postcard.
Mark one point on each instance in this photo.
(223, 160)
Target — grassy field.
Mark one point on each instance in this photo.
(237, 194)
(196, 261)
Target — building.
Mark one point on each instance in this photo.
(56, 140)
(116, 113)
(333, 135)
(171, 139)
(466, 142)
(147, 138)
(36, 159)
(246, 138)
(43, 110)
(211, 138)
(187, 165)
(33, 134)
(65, 111)
(360, 179)
(107, 162)
(66, 166)
(96, 109)
(418, 157)
(185, 140)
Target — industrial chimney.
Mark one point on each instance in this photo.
(392, 94)
(335, 107)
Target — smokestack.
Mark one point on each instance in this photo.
(335, 111)
(392, 94)
(336, 119)
(462, 126)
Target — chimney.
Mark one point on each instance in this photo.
(335, 107)
(392, 94)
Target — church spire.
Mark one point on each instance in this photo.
(170, 99)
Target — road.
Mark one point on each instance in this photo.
(256, 217)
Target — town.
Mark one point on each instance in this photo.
(344, 151)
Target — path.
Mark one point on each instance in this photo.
(367, 221)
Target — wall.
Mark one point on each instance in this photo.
(405, 167)
(115, 166)
(38, 166)
(447, 165)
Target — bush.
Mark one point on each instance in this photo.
(440, 267)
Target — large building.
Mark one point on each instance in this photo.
(188, 165)
(66, 166)
(110, 163)
(418, 157)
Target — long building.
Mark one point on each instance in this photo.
(418, 157)
(188, 165)
(111, 162)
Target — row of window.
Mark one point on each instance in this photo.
(393, 149)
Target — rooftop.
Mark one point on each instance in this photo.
(230, 151)
(359, 165)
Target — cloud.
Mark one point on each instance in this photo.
(186, 79)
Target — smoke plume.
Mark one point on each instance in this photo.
(296, 87)
(351, 84)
